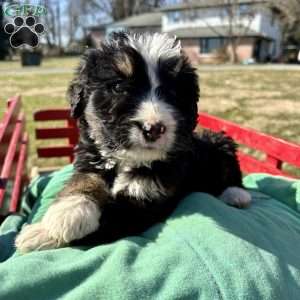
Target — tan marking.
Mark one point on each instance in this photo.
(124, 65)
(88, 184)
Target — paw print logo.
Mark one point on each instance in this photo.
(24, 31)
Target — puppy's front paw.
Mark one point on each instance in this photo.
(69, 219)
(35, 237)
(72, 218)
(236, 196)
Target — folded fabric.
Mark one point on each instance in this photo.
(204, 250)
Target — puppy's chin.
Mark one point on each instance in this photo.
(141, 156)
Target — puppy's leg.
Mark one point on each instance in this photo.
(74, 214)
(233, 192)
(225, 176)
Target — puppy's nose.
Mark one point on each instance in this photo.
(153, 132)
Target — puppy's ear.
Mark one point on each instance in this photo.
(76, 98)
(77, 91)
(119, 37)
(189, 81)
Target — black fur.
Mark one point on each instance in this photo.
(205, 163)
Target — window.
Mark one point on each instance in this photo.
(174, 17)
(182, 16)
(193, 14)
(244, 9)
(209, 45)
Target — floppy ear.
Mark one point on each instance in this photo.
(76, 95)
(77, 91)
(188, 80)
(119, 37)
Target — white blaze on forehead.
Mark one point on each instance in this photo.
(154, 47)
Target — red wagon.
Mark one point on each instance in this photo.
(14, 145)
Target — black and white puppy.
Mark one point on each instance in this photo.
(135, 99)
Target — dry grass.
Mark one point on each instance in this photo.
(46, 63)
(38, 91)
(266, 100)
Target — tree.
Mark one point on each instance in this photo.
(290, 15)
(52, 19)
(4, 38)
(80, 12)
(236, 22)
(239, 23)
(120, 9)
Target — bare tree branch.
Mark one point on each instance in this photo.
(290, 15)
(233, 22)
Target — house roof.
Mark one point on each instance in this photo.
(142, 20)
(205, 3)
(216, 31)
(98, 27)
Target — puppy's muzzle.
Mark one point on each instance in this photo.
(151, 131)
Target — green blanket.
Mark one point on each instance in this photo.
(205, 250)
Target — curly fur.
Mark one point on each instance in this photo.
(132, 80)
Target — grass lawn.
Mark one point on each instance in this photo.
(267, 100)
(46, 90)
(46, 63)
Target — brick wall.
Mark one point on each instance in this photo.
(191, 47)
(245, 48)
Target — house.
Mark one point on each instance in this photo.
(205, 27)
(95, 34)
(211, 31)
(150, 22)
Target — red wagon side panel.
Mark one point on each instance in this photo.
(13, 149)
(14, 143)
(276, 150)
(70, 131)
(20, 176)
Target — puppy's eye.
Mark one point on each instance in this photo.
(117, 87)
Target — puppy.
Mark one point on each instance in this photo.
(135, 99)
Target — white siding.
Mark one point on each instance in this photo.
(204, 17)
(262, 22)
(196, 18)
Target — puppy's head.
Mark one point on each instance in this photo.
(138, 94)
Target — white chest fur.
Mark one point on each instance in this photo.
(137, 187)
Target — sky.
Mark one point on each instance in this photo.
(63, 7)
